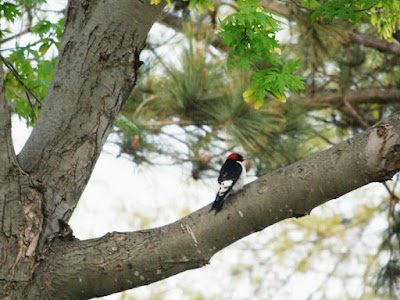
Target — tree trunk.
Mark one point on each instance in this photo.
(98, 62)
(95, 73)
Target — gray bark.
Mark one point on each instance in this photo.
(95, 73)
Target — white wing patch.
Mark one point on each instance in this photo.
(224, 187)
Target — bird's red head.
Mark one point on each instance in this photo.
(235, 156)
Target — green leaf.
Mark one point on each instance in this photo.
(126, 124)
(9, 11)
(43, 48)
(274, 81)
(201, 5)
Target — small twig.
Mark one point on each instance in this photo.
(166, 122)
(352, 112)
(31, 106)
(144, 102)
(297, 4)
(364, 9)
(6, 39)
(54, 11)
(393, 196)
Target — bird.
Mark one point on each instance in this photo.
(231, 179)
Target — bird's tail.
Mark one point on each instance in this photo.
(218, 204)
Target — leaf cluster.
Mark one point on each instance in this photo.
(352, 11)
(27, 85)
(274, 80)
(9, 11)
(383, 15)
(251, 35)
(29, 64)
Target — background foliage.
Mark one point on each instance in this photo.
(212, 76)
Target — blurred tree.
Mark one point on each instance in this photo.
(194, 112)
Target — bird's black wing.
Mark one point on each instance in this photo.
(230, 170)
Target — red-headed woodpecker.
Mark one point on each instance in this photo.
(231, 179)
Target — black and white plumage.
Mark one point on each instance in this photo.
(231, 179)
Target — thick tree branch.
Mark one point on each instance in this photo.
(378, 44)
(95, 73)
(332, 99)
(120, 261)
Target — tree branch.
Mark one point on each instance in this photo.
(378, 44)
(121, 261)
(282, 9)
(348, 109)
(19, 34)
(329, 99)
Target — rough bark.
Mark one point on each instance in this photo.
(40, 189)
